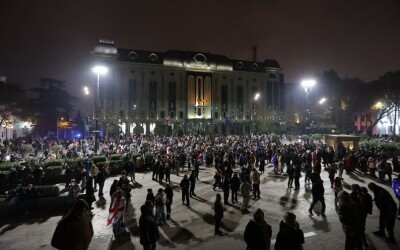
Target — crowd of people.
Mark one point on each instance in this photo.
(238, 163)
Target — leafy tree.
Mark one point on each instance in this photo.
(12, 102)
(52, 102)
(138, 129)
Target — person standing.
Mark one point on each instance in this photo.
(74, 230)
(255, 179)
(170, 195)
(297, 171)
(258, 232)
(396, 189)
(388, 208)
(318, 191)
(160, 200)
(290, 172)
(290, 236)
(73, 192)
(350, 218)
(337, 187)
(167, 172)
(94, 171)
(245, 190)
(30, 199)
(192, 179)
(116, 211)
(218, 214)
(148, 228)
(185, 184)
(235, 186)
(332, 172)
(90, 198)
(123, 183)
(101, 179)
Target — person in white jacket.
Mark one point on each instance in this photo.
(245, 190)
(160, 200)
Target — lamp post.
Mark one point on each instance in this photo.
(99, 70)
(307, 85)
(256, 97)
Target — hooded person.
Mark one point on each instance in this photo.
(290, 236)
(388, 209)
(74, 231)
(350, 218)
(148, 228)
(258, 232)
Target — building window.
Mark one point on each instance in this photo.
(172, 114)
(181, 115)
(162, 115)
(216, 115)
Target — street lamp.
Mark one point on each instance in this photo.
(307, 85)
(99, 70)
(256, 97)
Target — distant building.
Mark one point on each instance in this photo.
(193, 90)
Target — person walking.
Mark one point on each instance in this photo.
(318, 195)
(290, 236)
(235, 186)
(90, 198)
(218, 214)
(337, 187)
(73, 192)
(245, 189)
(297, 171)
(351, 222)
(75, 230)
(101, 179)
(388, 209)
(148, 228)
(192, 179)
(226, 187)
(170, 195)
(258, 232)
(185, 184)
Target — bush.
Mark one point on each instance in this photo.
(52, 163)
(97, 159)
(53, 170)
(101, 165)
(47, 191)
(305, 137)
(115, 157)
(115, 164)
(71, 163)
(26, 148)
(363, 137)
(290, 137)
(8, 166)
(316, 137)
(275, 139)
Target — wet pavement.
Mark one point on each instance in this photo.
(193, 228)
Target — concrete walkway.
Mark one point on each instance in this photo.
(193, 228)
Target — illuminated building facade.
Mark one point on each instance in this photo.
(191, 91)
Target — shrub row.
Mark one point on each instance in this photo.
(53, 170)
(97, 159)
(115, 157)
(47, 191)
(7, 166)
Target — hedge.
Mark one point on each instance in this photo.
(115, 164)
(53, 163)
(97, 159)
(54, 170)
(47, 191)
(72, 163)
(6, 166)
(115, 157)
(101, 165)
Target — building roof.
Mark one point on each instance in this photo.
(183, 58)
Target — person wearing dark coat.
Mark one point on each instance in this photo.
(218, 214)
(123, 183)
(150, 196)
(101, 178)
(113, 187)
(350, 218)
(235, 186)
(148, 228)
(192, 179)
(388, 208)
(290, 236)
(75, 230)
(170, 196)
(258, 232)
(185, 190)
(226, 187)
(318, 195)
(90, 198)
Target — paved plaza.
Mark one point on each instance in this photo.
(193, 228)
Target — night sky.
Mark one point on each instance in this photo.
(48, 38)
